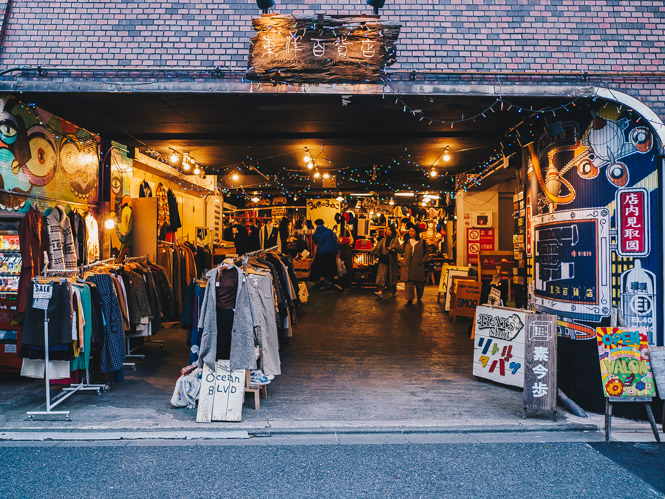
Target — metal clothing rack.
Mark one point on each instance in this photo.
(69, 391)
(85, 268)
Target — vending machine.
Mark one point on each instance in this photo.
(10, 270)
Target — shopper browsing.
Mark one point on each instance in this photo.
(324, 266)
(416, 253)
(387, 273)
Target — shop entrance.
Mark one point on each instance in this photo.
(352, 358)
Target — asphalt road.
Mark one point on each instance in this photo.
(209, 469)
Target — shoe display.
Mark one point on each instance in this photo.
(257, 377)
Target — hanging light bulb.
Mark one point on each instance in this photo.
(186, 166)
(433, 173)
(255, 199)
(325, 175)
(307, 158)
(235, 177)
(174, 158)
(317, 175)
(391, 203)
(197, 170)
(310, 165)
(340, 198)
(446, 156)
(109, 224)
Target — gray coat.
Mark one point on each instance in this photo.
(413, 263)
(387, 274)
(242, 336)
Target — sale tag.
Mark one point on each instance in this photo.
(41, 295)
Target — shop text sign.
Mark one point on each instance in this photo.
(325, 209)
(478, 240)
(632, 207)
(540, 358)
(499, 344)
(320, 49)
(625, 365)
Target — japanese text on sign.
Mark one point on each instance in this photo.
(632, 223)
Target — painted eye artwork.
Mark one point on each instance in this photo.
(79, 160)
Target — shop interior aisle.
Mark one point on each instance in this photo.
(353, 360)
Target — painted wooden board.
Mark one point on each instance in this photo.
(443, 280)
(204, 412)
(540, 362)
(658, 368)
(229, 393)
(465, 298)
(451, 275)
(499, 344)
(625, 366)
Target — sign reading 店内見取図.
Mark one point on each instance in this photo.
(321, 49)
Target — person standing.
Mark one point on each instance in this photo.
(324, 266)
(387, 273)
(416, 254)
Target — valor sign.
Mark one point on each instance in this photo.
(321, 49)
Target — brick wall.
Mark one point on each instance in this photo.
(437, 35)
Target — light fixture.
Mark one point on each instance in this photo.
(317, 174)
(255, 199)
(446, 157)
(405, 194)
(174, 158)
(235, 177)
(340, 198)
(433, 173)
(326, 175)
(186, 166)
(391, 202)
(432, 196)
(197, 170)
(310, 165)
(377, 4)
(360, 194)
(109, 223)
(264, 5)
(424, 203)
(307, 158)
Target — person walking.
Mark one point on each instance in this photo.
(416, 254)
(387, 273)
(324, 266)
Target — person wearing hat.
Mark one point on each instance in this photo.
(324, 266)
(416, 254)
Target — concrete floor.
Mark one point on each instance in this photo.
(354, 362)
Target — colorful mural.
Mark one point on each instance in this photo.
(42, 155)
(592, 218)
(121, 201)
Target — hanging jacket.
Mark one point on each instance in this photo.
(61, 251)
(34, 243)
(79, 236)
(173, 211)
(242, 334)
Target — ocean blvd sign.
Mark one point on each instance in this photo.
(321, 49)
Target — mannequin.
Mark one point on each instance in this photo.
(226, 288)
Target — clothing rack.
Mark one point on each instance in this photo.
(143, 258)
(85, 268)
(266, 250)
(69, 391)
(136, 259)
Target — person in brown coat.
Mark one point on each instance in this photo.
(387, 273)
(416, 253)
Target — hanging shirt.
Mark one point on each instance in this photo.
(163, 215)
(92, 243)
(226, 289)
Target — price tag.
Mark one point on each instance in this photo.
(41, 295)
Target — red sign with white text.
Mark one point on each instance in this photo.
(478, 240)
(632, 207)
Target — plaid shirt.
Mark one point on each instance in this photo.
(113, 350)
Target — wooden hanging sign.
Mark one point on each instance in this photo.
(321, 49)
(540, 360)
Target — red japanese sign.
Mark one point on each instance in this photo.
(632, 207)
(478, 240)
